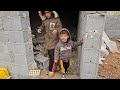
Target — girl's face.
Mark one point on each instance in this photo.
(48, 14)
(64, 37)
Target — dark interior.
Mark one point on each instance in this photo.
(69, 20)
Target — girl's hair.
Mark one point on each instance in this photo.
(43, 13)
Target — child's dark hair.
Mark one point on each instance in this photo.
(64, 32)
(43, 13)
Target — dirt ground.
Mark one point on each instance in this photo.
(110, 69)
(72, 73)
(57, 75)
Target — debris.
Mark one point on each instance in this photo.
(118, 40)
(39, 40)
(111, 44)
(100, 60)
(34, 65)
(43, 62)
(41, 48)
(110, 68)
(34, 72)
(107, 43)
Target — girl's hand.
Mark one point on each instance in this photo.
(39, 30)
(54, 32)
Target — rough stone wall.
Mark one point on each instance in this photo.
(112, 26)
(89, 53)
(16, 49)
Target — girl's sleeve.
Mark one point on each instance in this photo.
(42, 27)
(58, 25)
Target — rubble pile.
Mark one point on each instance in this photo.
(110, 68)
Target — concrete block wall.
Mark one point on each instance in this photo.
(16, 49)
(112, 26)
(89, 52)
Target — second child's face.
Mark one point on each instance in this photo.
(64, 37)
(48, 14)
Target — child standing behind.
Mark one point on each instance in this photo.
(51, 24)
(63, 49)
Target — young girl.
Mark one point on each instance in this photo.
(51, 24)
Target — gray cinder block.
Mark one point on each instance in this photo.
(43, 62)
(4, 36)
(90, 55)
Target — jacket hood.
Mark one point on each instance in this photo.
(65, 29)
(43, 17)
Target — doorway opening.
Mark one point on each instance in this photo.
(69, 20)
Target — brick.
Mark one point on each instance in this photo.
(25, 22)
(84, 76)
(30, 57)
(20, 59)
(112, 22)
(12, 57)
(18, 13)
(43, 61)
(16, 37)
(4, 36)
(16, 20)
(92, 42)
(1, 13)
(6, 65)
(27, 36)
(24, 14)
(23, 53)
(113, 34)
(12, 23)
(32, 66)
(90, 55)
(16, 48)
(19, 48)
(24, 59)
(11, 48)
(91, 12)
(29, 47)
(14, 13)
(90, 68)
(20, 69)
(3, 47)
(95, 22)
(19, 37)
(14, 76)
(3, 64)
(1, 24)
(4, 57)
(20, 76)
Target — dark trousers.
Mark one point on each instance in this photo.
(66, 65)
(51, 60)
